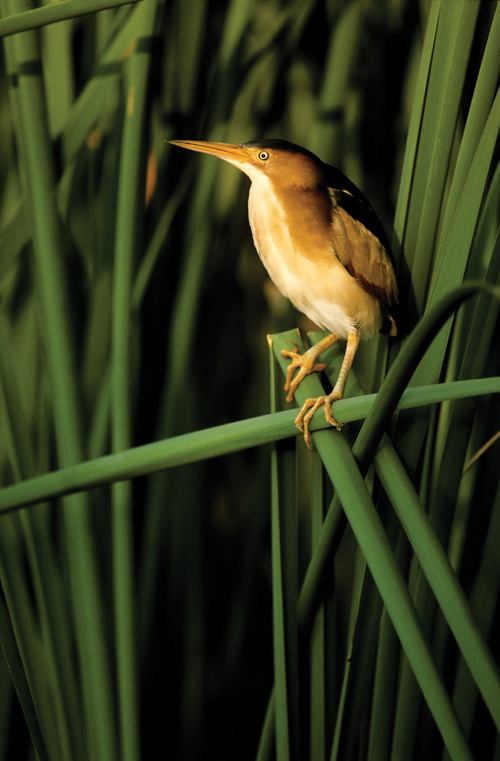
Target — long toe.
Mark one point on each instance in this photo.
(305, 364)
(329, 400)
(310, 406)
(305, 415)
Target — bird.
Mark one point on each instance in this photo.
(325, 249)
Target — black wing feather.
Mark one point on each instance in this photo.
(347, 195)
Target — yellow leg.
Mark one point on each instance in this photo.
(305, 362)
(311, 405)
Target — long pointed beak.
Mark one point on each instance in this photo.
(234, 154)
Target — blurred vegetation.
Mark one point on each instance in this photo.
(151, 617)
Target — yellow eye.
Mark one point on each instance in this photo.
(263, 155)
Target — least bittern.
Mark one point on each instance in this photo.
(323, 246)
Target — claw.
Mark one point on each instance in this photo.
(307, 411)
(306, 365)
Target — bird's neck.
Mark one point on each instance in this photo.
(297, 219)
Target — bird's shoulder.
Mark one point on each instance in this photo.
(363, 247)
(348, 196)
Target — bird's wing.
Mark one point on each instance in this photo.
(359, 239)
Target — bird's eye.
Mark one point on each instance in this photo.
(263, 155)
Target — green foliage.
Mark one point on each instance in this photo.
(179, 576)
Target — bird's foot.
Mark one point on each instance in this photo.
(308, 409)
(306, 363)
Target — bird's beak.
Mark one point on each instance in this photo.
(234, 154)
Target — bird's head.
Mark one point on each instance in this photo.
(285, 165)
